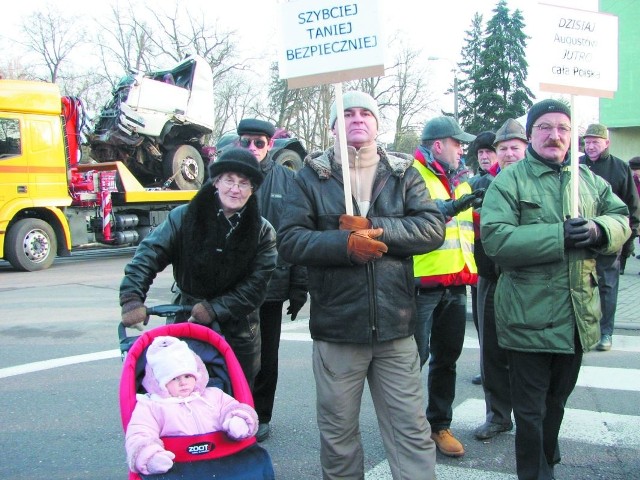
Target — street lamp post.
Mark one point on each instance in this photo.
(454, 70)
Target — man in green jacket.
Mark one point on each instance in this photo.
(547, 305)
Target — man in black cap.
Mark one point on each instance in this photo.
(482, 148)
(289, 282)
(609, 267)
(442, 276)
(546, 303)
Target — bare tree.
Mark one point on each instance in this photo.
(412, 99)
(53, 37)
(123, 45)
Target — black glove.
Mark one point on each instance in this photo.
(627, 248)
(468, 200)
(202, 313)
(297, 299)
(134, 312)
(581, 233)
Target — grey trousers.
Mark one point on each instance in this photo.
(392, 370)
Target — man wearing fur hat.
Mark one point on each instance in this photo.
(223, 254)
(363, 313)
(619, 175)
(442, 276)
(289, 282)
(546, 304)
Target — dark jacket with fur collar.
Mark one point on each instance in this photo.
(350, 303)
(231, 273)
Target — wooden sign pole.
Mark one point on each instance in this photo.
(342, 144)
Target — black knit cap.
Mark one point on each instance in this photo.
(253, 126)
(545, 106)
(483, 140)
(237, 160)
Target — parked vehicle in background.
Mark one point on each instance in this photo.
(49, 201)
(155, 123)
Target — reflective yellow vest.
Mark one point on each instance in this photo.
(457, 249)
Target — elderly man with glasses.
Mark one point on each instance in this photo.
(547, 306)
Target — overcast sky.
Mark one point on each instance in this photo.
(436, 27)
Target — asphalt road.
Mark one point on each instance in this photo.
(60, 369)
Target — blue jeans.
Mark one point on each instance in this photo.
(608, 269)
(442, 317)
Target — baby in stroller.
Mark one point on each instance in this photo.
(178, 402)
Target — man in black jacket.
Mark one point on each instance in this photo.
(619, 175)
(363, 312)
(289, 282)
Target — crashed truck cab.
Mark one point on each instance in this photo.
(155, 123)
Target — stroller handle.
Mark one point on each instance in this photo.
(168, 310)
(159, 311)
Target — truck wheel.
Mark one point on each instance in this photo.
(185, 166)
(289, 159)
(30, 245)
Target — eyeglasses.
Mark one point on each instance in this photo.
(243, 186)
(547, 127)
(245, 142)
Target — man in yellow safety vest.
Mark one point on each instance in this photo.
(442, 275)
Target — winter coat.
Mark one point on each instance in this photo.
(157, 414)
(618, 173)
(271, 194)
(230, 270)
(545, 291)
(350, 302)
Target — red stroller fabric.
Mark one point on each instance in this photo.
(196, 448)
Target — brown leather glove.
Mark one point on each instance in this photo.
(353, 223)
(202, 313)
(362, 248)
(134, 312)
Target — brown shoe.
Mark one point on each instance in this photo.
(447, 443)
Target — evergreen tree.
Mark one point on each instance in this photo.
(499, 81)
(468, 69)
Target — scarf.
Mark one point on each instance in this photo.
(218, 252)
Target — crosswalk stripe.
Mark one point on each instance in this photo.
(622, 343)
(610, 378)
(443, 472)
(584, 426)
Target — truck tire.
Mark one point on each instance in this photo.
(185, 166)
(30, 245)
(289, 159)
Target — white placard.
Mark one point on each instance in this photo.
(577, 51)
(329, 41)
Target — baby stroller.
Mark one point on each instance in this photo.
(208, 456)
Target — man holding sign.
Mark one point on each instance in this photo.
(547, 307)
(363, 312)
